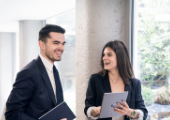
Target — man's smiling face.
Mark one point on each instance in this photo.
(54, 46)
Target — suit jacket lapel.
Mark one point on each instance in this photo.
(46, 79)
(129, 89)
(107, 83)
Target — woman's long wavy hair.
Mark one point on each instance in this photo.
(123, 61)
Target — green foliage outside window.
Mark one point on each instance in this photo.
(147, 95)
(154, 40)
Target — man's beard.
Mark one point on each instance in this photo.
(52, 59)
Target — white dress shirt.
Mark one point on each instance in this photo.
(49, 68)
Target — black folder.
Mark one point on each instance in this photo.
(59, 112)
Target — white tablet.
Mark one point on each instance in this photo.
(110, 101)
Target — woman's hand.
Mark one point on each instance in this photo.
(125, 110)
(96, 111)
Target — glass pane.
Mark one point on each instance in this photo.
(152, 53)
(66, 66)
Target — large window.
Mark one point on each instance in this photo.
(67, 66)
(151, 52)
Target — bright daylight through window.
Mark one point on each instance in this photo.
(151, 52)
(66, 66)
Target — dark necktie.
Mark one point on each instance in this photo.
(59, 92)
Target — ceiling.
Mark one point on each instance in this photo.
(12, 11)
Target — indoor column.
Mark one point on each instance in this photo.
(7, 67)
(97, 22)
(28, 37)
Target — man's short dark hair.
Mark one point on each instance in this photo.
(44, 32)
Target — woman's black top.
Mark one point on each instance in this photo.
(98, 85)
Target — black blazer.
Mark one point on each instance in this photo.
(32, 94)
(98, 85)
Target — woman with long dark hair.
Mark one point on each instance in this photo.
(116, 75)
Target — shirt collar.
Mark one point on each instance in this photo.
(46, 63)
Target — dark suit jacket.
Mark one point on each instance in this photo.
(32, 94)
(98, 85)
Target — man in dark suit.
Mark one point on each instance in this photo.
(37, 88)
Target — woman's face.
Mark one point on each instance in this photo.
(109, 59)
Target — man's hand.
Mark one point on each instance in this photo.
(96, 111)
(64, 119)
